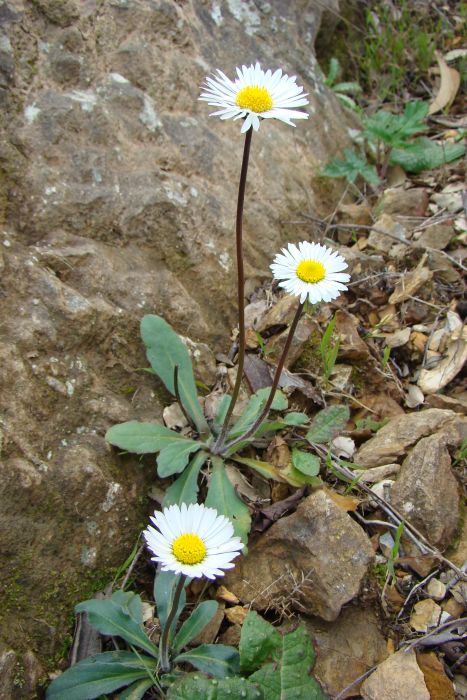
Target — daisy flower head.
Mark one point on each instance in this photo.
(311, 271)
(255, 94)
(192, 540)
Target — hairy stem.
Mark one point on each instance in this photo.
(240, 290)
(253, 428)
(164, 643)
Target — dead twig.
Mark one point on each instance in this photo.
(420, 641)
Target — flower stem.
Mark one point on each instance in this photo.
(164, 643)
(240, 290)
(275, 382)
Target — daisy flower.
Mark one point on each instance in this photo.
(254, 94)
(310, 271)
(192, 540)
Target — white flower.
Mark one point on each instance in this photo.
(192, 540)
(255, 94)
(310, 271)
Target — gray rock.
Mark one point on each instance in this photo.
(313, 561)
(395, 438)
(119, 192)
(426, 490)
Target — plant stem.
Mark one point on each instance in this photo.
(164, 643)
(240, 290)
(275, 382)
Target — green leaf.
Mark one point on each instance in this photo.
(395, 129)
(121, 615)
(333, 72)
(423, 154)
(258, 640)
(174, 458)
(347, 101)
(165, 351)
(254, 407)
(306, 462)
(350, 168)
(102, 673)
(269, 471)
(195, 686)
(185, 488)
(348, 88)
(136, 691)
(289, 678)
(165, 584)
(215, 659)
(141, 438)
(296, 418)
(222, 497)
(328, 423)
(294, 477)
(195, 624)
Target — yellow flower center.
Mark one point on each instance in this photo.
(311, 271)
(189, 548)
(255, 98)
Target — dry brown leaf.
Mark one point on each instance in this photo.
(432, 380)
(227, 596)
(240, 483)
(347, 503)
(278, 452)
(449, 86)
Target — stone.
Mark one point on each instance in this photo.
(293, 565)
(346, 648)
(399, 676)
(436, 236)
(381, 242)
(352, 347)
(376, 474)
(204, 362)
(425, 615)
(305, 327)
(280, 314)
(436, 589)
(399, 202)
(395, 438)
(426, 490)
(410, 283)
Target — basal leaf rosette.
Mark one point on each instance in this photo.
(192, 540)
(310, 271)
(255, 94)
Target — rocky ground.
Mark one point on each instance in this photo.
(117, 196)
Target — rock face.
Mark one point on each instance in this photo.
(313, 561)
(117, 198)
